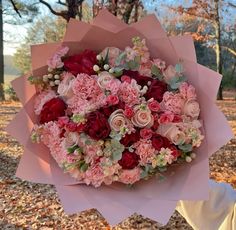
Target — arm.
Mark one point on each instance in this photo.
(219, 212)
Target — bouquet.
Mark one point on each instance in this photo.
(116, 105)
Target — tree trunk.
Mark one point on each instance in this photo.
(218, 49)
(1, 55)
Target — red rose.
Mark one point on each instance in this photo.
(52, 110)
(175, 152)
(156, 90)
(81, 63)
(129, 160)
(141, 80)
(159, 142)
(97, 126)
(130, 139)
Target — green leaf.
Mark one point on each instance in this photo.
(179, 68)
(118, 71)
(120, 58)
(106, 59)
(176, 82)
(186, 148)
(84, 167)
(71, 149)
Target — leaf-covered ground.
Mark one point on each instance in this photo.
(25, 205)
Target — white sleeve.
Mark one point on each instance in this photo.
(218, 213)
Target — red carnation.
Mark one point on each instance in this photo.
(97, 126)
(156, 90)
(130, 139)
(129, 160)
(159, 142)
(52, 110)
(81, 63)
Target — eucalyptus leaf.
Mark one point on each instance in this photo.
(120, 58)
(186, 148)
(179, 68)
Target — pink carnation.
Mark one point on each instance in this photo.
(94, 175)
(173, 102)
(113, 86)
(130, 176)
(145, 150)
(129, 93)
(187, 91)
(88, 96)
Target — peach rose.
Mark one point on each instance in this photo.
(191, 109)
(169, 73)
(142, 117)
(117, 120)
(172, 132)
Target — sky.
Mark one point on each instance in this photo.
(16, 34)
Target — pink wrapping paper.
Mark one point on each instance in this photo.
(151, 198)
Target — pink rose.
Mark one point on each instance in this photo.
(142, 117)
(126, 78)
(191, 109)
(128, 112)
(166, 118)
(146, 133)
(169, 73)
(172, 132)
(117, 120)
(112, 100)
(130, 176)
(65, 87)
(154, 106)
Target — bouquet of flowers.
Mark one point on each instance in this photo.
(115, 104)
(117, 115)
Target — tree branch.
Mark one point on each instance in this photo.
(52, 10)
(15, 8)
(230, 50)
(61, 3)
(231, 4)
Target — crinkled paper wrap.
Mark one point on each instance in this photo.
(154, 199)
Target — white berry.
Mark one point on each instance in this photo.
(149, 83)
(52, 83)
(188, 159)
(56, 76)
(57, 82)
(50, 75)
(106, 67)
(50, 69)
(111, 70)
(99, 57)
(96, 68)
(193, 155)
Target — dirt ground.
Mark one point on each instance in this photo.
(25, 205)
